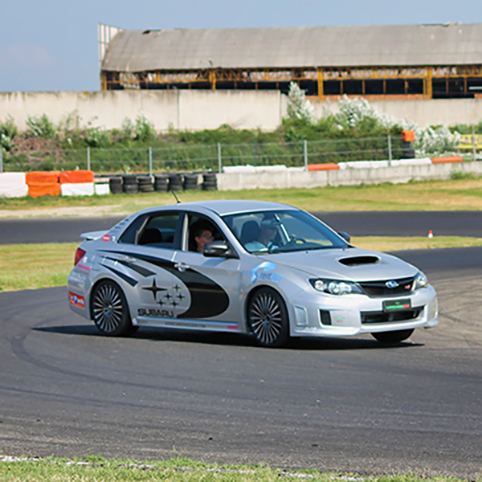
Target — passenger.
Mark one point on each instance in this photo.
(258, 238)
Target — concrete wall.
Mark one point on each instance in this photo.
(424, 113)
(308, 179)
(181, 109)
(200, 109)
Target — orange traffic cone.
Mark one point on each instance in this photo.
(430, 234)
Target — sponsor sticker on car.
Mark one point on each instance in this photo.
(76, 300)
(397, 305)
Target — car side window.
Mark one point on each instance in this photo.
(201, 230)
(159, 231)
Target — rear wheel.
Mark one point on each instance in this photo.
(109, 310)
(268, 318)
(392, 336)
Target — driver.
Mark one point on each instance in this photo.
(264, 242)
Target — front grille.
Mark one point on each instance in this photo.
(368, 317)
(379, 288)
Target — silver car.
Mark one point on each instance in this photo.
(263, 268)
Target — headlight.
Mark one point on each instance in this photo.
(334, 287)
(421, 281)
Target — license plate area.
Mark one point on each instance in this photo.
(397, 305)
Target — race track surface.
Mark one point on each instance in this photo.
(344, 405)
(358, 223)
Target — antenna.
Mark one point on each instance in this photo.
(174, 194)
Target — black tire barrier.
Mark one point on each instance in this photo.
(115, 185)
(161, 187)
(208, 187)
(190, 182)
(129, 179)
(131, 188)
(210, 176)
(408, 153)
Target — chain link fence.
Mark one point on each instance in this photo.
(203, 157)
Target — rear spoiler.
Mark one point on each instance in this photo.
(93, 235)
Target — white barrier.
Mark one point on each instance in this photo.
(77, 189)
(13, 184)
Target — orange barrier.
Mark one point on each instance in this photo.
(443, 160)
(44, 189)
(43, 183)
(330, 166)
(76, 177)
(42, 177)
(408, 136)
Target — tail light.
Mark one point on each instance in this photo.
(79, 254)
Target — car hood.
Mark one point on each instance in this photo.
(352, 264)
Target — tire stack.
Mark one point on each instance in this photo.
(130, 184)
(210, 182)
(145, 184)
(115, 185)
(161, 182)
(175, 182)
(190, 182)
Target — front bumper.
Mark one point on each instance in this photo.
(325, 315)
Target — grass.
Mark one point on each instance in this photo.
(34, 266)
(451, 195)
(98, 469)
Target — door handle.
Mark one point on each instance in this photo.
(181, 267)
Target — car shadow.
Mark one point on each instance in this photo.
(233, 339)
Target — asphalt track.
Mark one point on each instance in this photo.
(373, 223)
(343, 405)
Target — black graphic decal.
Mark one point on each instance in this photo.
(129, 280)
(207, 297)
(154, 289)
(138, 269)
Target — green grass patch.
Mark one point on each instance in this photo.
(98, 469)
(451, 195)
(34, 266)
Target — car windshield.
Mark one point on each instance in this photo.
(281, 231)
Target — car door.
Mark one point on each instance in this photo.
(213, 283)
(149, 249)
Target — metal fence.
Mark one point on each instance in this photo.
(203, 157)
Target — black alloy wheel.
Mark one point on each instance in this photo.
(109, 310)
(392, 337)
(268, 318)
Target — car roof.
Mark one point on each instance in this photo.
(231, 206)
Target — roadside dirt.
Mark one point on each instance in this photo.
(90, 211)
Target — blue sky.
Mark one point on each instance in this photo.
(51, 45)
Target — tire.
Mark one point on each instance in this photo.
(268, 318)
(131, 188)
(209, 177)
(392, 337)
(109, 310)
(209, 188)
(129, 179)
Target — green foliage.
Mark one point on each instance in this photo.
(40, 127)
(144, 130)
(459, 175)
(8, 131)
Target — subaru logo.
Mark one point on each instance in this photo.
(391, 284)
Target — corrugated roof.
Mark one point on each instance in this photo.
(284, 47)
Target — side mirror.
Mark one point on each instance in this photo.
(218, 249)
(345, 236)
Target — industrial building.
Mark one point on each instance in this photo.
(406, 62)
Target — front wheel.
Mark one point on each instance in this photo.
(268, 318)
(392, 336)
(109, 310)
